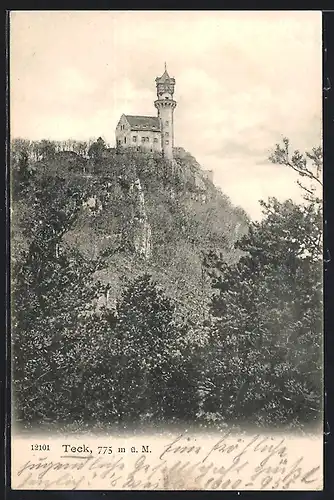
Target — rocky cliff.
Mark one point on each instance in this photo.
(146, 214)
(158, 217)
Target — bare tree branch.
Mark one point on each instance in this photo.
(298, 162)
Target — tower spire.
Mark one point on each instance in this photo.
(165, 105)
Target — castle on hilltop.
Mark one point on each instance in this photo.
(151, 133)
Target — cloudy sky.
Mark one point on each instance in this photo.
(243, 81)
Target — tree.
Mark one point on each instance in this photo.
(308, 165)
(21, 175)
(18, 148)
(45, 149)
(154, 377)
(96, 150)
(267, 316)
(80, 147)
(53, 295)
(72, 359)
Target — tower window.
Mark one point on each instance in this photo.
(143, 139)
(166, 97)
(134, 138)
(167, 134)
(167, 142)
(147, 139)
(155, 139)
(124, 140)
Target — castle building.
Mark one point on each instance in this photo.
(151, 133)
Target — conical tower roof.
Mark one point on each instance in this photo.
(165, 76)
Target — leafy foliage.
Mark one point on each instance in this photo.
(168, 350)
(153, 356)
(52, 294)
(307, 165)
(267, 325)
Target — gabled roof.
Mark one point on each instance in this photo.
(144, 122)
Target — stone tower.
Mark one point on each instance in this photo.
(165, 105)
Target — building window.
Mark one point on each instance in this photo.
(134, 138)
(167, 123)
(119, 142)
(143, 139)
(167, 134)
(124, 140)
(155, 139)
(147, 139)
(167, 142)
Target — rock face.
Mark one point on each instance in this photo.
(190, 170)
(141, 228)
(160, 218)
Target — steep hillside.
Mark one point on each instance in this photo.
(153, 241)
(151, 216)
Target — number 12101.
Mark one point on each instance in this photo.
(40, 447)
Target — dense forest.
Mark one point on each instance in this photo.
(140, 294)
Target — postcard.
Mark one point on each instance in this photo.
(166, 250)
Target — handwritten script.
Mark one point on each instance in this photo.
(180, 462)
